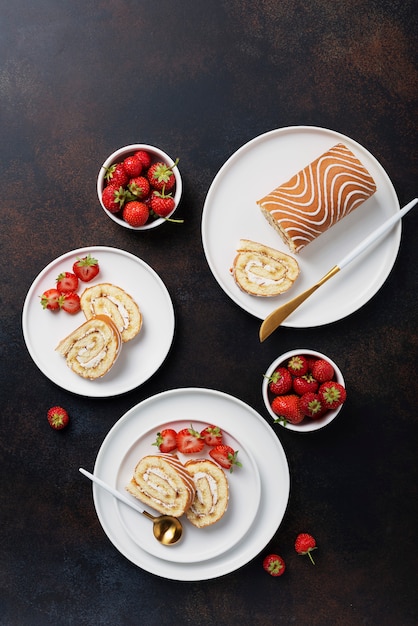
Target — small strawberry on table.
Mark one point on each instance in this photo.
(274, 565)
(304, 544)
(58, 417)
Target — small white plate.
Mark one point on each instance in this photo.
(197, 544)
(139, 359)
(230, 213)
(255, 436)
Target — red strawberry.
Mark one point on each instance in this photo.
(332, 394)
(70, 302)
(67, 282)
(225, 456)
(311, 360)
(322, 371)
(113, 198)
(132, 166)
(50, 299)
(304, 544)
(212, 435)
(86, 268)
(144, 157)
(166, 440)
(135, 213)
(161, 175)
(189, 441)
(280, 381)
(161, 203)
(298, 365)
(274, 565)
(116, 175)
(139, 187)
(311, 405)
(305, 384)
(58, 417)
(288, 408)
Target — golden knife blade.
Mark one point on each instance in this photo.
(274, 319)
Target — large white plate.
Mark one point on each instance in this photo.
(196, 544)
(231, 213)
(255, 436)
(140, 357)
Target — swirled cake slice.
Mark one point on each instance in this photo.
(317, 197)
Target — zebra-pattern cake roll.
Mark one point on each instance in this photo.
(317, 197)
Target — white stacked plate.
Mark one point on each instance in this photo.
(259, 490)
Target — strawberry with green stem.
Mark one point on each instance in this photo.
(274, 565)
(304, 544)
(161, 175)
(58, 417)
(280, 382)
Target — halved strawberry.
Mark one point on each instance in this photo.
(189, 441)
(50, 299)
(70, 302)
(166, 440)
(225, 456)
(212, 435)
(67, 282)
(86, 268)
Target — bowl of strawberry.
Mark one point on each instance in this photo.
(303, 390)
(139, 187)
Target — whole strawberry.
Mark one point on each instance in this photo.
(132, 165)
(161, 175)
(274, 565)
(135, 213)
(280, 382)
(298, 365)
(139, 187)
(304, 544)
(305, 384)
(162, 203)
(322, 371)
(144, 157)
(287, 408)
(332, 394)
(113, 198)
(117, 175)
(311, 405)
(58, 417)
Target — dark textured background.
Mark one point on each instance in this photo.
(199, 79)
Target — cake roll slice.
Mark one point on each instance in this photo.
(212, 493)
(110, 300)
(317, 197)
(162, 482)
(263, 271)
(91, 349)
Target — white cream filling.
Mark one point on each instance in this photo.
(213, 486)
(260, 280)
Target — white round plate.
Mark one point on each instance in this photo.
(255, 437)
(139, 358)
(197, 544)
(230, 213)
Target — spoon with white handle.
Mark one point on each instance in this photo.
(167, 529)
(275, 318)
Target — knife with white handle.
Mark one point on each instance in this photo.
(274, 319)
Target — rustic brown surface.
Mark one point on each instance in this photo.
(200, 79)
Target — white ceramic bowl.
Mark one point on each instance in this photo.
(120, 155)
(306, 425)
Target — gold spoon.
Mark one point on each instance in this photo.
(275, 318)
(167, 529)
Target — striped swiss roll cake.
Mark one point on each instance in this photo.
(317, 197)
